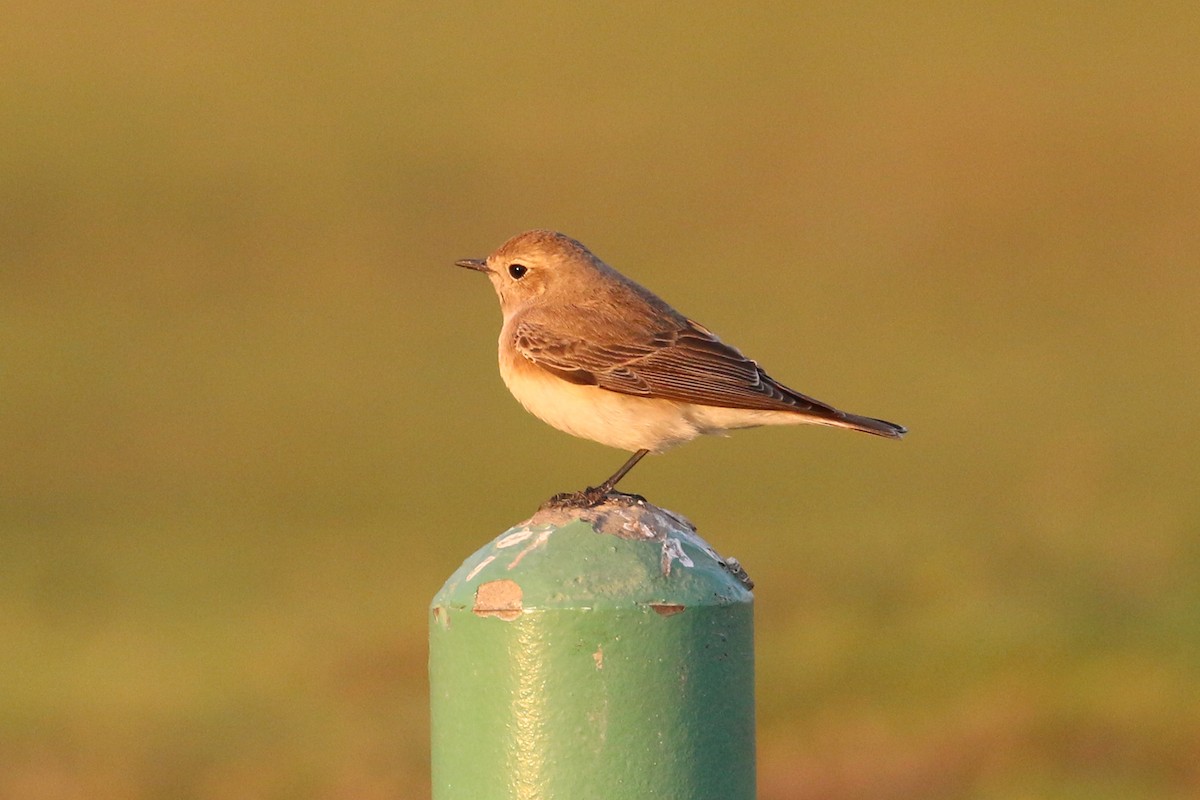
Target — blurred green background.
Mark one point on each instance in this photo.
(250, 416)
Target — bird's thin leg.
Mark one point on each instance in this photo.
(608, 485)
(593, 495)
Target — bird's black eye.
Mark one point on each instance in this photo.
(517, 270)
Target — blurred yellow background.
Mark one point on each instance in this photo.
(250, 415)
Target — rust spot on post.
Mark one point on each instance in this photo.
(500, 598)
(667, 609)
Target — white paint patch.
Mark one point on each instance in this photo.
(479, 567)
(672, 550)
(541, 539)
(514, 538)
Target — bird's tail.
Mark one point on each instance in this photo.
(813, 410)
(878, 427)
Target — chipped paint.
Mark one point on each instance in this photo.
(598, 656)
(502, 598)
(667, 609)
(479, 567)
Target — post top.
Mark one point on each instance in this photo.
(623, 552)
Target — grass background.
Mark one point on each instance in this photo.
(250, 416)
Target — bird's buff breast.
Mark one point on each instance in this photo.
(589, 412)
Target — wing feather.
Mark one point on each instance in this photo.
(686, 363)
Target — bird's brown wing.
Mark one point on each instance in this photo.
(686, 363)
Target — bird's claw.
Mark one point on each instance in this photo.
(587, 498)
(565, 500)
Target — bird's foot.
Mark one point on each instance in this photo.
(589, 497)
(567, 500)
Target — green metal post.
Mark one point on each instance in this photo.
(590, 654)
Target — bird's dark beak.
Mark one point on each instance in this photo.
(478, 264)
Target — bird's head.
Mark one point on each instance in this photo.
(539, 265)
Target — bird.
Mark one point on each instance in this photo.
(596, 355)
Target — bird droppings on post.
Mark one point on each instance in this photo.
(629, 517)
(672, 550)
(500, 598)
(623, 515)
(491, 575)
